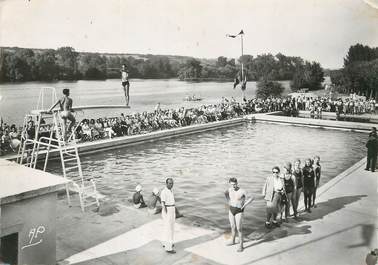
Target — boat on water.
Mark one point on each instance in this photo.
(192, 98)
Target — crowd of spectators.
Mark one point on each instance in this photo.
(132, 124)
(160, 119)
(9, 138)
(290, 106)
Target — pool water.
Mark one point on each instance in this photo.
(201, 165)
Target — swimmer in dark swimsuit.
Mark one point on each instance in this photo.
(237, 201)
(308, 184)
(125, 83)
(235, 210)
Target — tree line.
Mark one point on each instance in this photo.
(19, 64)
(303, 74)
(360, 72)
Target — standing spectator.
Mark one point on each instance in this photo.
(168, 215)
(272, 192)
(372, 150)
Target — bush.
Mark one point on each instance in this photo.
(267, 88)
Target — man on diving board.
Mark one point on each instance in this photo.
(125, 83)
(65, 104)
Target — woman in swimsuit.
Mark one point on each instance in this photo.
(308, 184)
(297, 172)
(290, 189)
(237, 201)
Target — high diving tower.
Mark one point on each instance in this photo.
(42, 137)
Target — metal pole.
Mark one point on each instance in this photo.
(242, 67)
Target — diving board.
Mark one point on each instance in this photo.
(87, 107)
(101, 107)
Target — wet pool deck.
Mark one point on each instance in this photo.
(341, 230)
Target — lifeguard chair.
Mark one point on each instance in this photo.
(42, 137)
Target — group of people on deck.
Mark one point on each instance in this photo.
(283, 191)
(168, 209)
(280, 191)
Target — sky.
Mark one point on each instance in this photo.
(316, 30)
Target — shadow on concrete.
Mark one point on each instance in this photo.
(304, 244)
(263, 234)
(330, 206)
(153, 253)
(367, 233)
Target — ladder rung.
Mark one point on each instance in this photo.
(70, 148)
(70, 159)
(69, 168)
(69, 154)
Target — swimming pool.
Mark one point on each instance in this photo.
(202, 163)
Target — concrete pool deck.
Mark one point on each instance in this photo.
(319, 123)
(341, 230)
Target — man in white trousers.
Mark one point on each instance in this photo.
(168, 214)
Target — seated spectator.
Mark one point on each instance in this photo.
(87, 132)
(14, 138)
(5, 140)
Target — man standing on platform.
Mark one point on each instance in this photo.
(125, 83)
(65, 105)
(372, 150)
(168, 215)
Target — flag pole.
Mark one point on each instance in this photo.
(242, 67)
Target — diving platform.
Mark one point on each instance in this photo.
(84, 107)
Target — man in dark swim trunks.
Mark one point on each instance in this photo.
(237, 201)
(65, 105)
(125, 83)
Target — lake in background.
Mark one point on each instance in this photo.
(18, 99)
